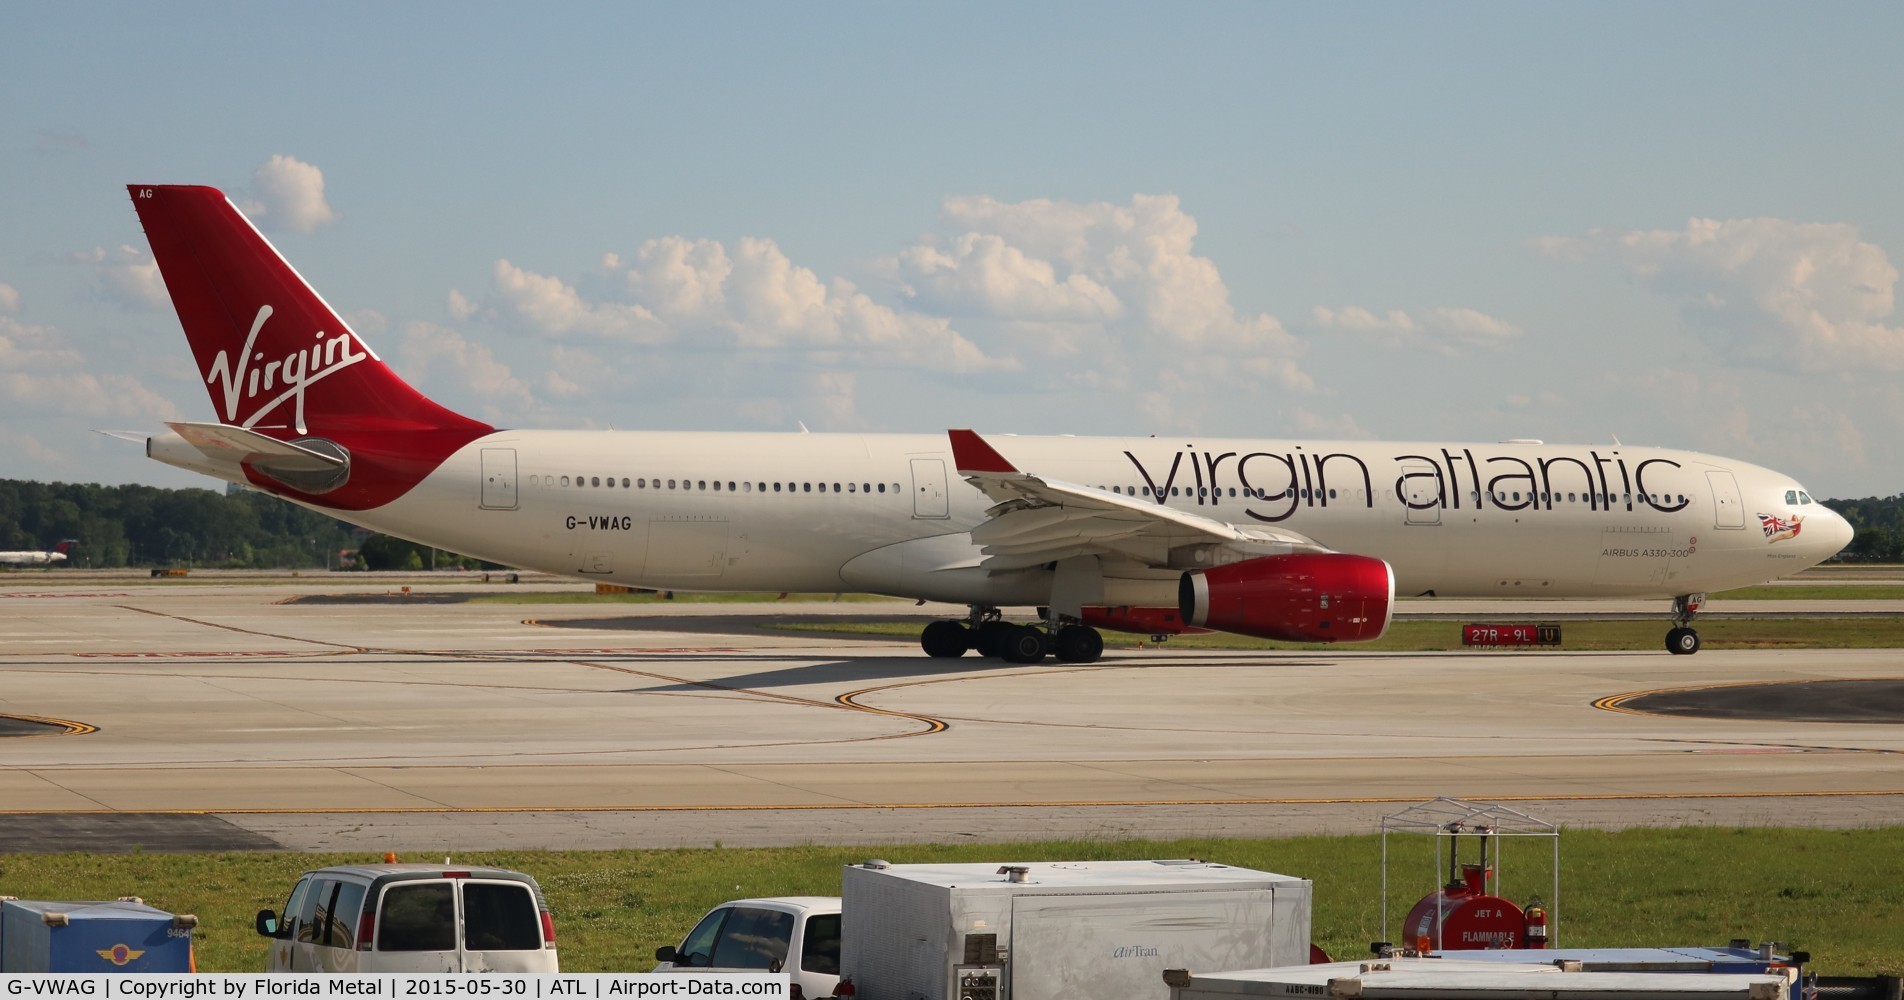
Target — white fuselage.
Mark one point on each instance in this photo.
(31, 558)
(888, 513)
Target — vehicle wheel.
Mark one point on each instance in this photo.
(1022, 644)
(989, 640)
(1079, 644)
(945, 639)
(1682, 642)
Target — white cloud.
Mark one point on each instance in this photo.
(83, 394)
(127, 277)
(288, 194)
(1113, 296)
(1128, 268)
(1444, 328)
(697, 294)
(472, 370)
(1810, 295)
(551, 307)
(40, 374)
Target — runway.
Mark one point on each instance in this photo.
(426, 726)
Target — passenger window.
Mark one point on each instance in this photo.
(697, 949)
(417, 917)
(288, 923)
(865, 487)
(344, 912)
(315, 907)
(882, 487)
(753, 939)
(717, 486)
(807, 487)
(499, 917)
(624, 482)
(565, 480)
(776, 487)
(820, 951)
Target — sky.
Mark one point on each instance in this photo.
(1665, 224)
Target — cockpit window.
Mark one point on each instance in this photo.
(1804, 497)
(1791, 497)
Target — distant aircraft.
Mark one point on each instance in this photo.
(1286, 539)
(58, 555)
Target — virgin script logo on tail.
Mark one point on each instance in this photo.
(289, 376)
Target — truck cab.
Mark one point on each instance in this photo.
(798, 935)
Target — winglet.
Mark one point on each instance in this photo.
(970, 453)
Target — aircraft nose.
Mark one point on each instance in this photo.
(1837, 534)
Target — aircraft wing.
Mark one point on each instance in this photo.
(1035, 520)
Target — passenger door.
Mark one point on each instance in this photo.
(502, 928)
(416, 928)
(283, 954)
(313, 914)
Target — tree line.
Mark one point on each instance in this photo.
(133, 525)
(151, 526)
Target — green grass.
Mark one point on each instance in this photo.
(1814, 592)
(1831, 892)
(1418, 636)
(652, 597)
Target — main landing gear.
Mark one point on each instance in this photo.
(991, 635)
(1681, 640)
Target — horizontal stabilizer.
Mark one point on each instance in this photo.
(236, 444)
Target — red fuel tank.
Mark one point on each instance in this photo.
(1469, 918)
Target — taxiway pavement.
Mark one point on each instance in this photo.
(466, 726)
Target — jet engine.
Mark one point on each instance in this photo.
(1307, 597)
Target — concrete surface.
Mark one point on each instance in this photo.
(460, 726)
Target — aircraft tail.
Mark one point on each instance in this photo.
(272, 353)
(280, 364)
(65, 546)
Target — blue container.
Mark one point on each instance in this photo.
(80, 936)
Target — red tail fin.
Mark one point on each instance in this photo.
(278, 361)
(272, 353)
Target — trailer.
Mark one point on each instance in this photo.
(1402, 978)
(1085, 930)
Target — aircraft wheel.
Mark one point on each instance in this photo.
(1682, 642)
(989, 640)
(945, 639)
(1022, 644)
(1079, 644)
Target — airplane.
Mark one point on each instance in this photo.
(58, 555)
(1298, 540)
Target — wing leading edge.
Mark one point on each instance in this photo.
(1036, 520)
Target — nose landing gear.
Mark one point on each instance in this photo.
(1681, 640)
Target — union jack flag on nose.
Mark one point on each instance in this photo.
(1777, 528)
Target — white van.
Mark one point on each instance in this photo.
(412, 918)
(798, 935)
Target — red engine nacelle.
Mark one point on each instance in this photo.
(1310, 597)
(1143, 621)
